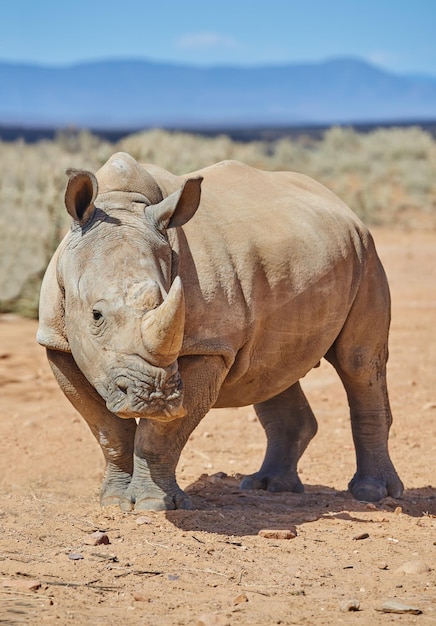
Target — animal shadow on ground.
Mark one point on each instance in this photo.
(219, 506)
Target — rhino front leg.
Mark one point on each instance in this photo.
(157, 450)
(289, 426)
(158, 445)
(115, 435)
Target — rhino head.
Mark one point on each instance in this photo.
(110, 296)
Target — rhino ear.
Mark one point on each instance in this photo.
(51, 331)
(82, 189)
(177, 208)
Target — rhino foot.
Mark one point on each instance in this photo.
(369, 489)
(158, 502)
(146, 496)
(167, 503)
(114, 490)
(272, 483)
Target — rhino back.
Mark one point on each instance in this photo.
(270, 264)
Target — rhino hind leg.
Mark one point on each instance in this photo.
(289, 426)
(115, 435)
(359, 355)
(371, 418)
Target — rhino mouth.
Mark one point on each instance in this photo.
(155, 394)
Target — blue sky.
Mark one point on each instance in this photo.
(398, 35)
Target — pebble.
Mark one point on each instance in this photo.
(143, 519)
(293, 570)
(429, 406)
(22, 584)
(271, 533)
(353, 604)
(97, 538)
(392, 606)
(413, 567)
(390, 502)
(216, 478)
(361, 536)
(240, 598)
(382, 565)
(75, 556)
(139, 597)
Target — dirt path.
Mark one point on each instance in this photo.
(210, 566)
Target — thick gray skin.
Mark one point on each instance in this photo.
(277, 273)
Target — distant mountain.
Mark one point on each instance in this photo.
(135, 94)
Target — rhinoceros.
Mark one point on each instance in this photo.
(224, 287)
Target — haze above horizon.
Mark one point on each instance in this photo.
(395, 35)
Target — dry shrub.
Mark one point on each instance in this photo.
(387, 177)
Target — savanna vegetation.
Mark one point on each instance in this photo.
(387, 176)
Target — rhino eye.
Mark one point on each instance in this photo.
(97, 315)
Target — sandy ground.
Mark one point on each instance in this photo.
(210, 565)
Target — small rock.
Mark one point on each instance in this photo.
(398, 510)
(21, 584)
(293, 570)
(413, 567)
(429, 405)
(213, 619)
(392, 606)
(382, 565)
(143, 519)
(240, 598)
(350, 605)
(371, 506)
(97, 538)
(217, 478)
(139, 597)
(390, 502)
(271, 533)
(75, 556)
(360, 537)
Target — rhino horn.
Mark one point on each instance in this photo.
(162, 329)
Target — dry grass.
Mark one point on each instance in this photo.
(387, 177)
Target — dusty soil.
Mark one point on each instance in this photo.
(210, 565)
